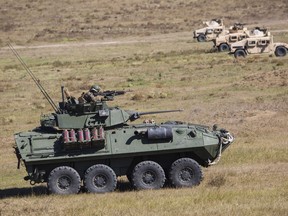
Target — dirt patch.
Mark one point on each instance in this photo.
(277, 78)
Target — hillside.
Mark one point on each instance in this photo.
(71, 20)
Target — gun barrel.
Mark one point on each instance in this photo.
(109, 94)
(114, 92)
(161, 111)
(137, 115)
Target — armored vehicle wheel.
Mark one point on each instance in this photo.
(280, 51)
(148, 175)
(201, 38)
(185, 172)
(100, 178)
(223, 47)
(239, 53)
(64, 180)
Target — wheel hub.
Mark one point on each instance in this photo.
(148, 177)
(100, 181)
(64, 182)
(281, 52)
(186, 174)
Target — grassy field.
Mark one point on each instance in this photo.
(71, 20)
(166, 69)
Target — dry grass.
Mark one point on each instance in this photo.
(224, 191)
(73, 20)
(252, 177)
(169, 71)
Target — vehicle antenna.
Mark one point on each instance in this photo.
(37, 81)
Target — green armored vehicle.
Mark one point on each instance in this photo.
(91, 144)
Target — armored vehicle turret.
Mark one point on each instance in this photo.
(90, 144)
(72, 114)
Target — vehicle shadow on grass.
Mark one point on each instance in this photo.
(122, 186)
(21, 192)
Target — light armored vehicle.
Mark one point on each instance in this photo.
(258, 45)
(90, 144)
(223, 42)
(213, 28)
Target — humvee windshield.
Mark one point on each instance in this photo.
(233, 38)
(251, 43)
(217, 31)
(263, 42)
(209, 31)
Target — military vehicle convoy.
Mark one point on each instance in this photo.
(90, 144)
(213, 28)
(258, 45)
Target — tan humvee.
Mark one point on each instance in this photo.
(237, 33)
(259, 44)
(214, 28)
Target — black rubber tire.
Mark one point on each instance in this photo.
(100, 178)
(185, 172)
(280, 51)
(239, 53)
(223, 47)
(148, 175)
(64, 180)
(201, 38)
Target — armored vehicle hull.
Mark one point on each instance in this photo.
(90, 144)
(64, 160)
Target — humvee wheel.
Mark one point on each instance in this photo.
(100, 178)
(239, 53)
(223, 47)
(148, 175)
(280, 51)
(64, 180)
(185, 172)
(201, 38)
